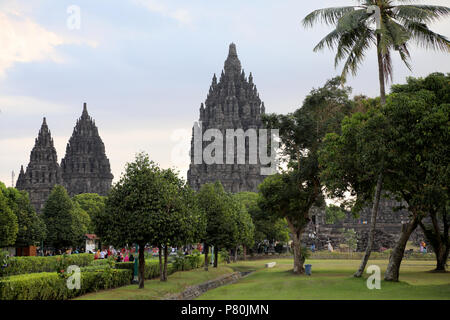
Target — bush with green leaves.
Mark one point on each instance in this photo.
(49, 286)
(23, 265)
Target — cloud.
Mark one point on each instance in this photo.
(183, 16)
(28, 106)
(24, 41)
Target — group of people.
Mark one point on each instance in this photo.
(69, 251)
(119, 256)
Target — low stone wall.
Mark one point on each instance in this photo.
(193, 292)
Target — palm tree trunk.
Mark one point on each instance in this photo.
(381, 72)
(373, 222)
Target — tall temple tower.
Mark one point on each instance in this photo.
(232, 103)
(85, 168)
(42, 172)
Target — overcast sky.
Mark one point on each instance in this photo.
(144, 67)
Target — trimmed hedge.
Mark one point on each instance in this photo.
(25, 265)
(94, 276)
(151, 270)
(49, 286)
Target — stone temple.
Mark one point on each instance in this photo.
(232, 103)
(43, 171)
(85, 168)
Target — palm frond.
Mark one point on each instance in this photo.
(388, 69)
(355, 51)
(427, 38)
(352, 20)
(395, 33)
(329, 16)
(330, 40)
(420, 13)
(404, 55)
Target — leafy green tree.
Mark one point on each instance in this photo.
(83, 223)
(389, 27)
(32, 228)
(132, 206)
(282, 197)
(64, 229)
(221, 228)
(354, 162)
(356, 30)
(350, 239)
(334, 214)
(8, 221)
(301, 134)
(93, 204)
(245, 227)
(180, 220)
(418, 170)
(267, 227)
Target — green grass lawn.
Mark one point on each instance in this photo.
(156, 289)
(332, 279)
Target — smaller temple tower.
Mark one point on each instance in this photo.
(85, 168)
(42, 172)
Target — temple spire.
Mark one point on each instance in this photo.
(232, 50)
(232, 64)
(85, 112)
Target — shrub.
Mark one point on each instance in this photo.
(24, 265)
(99, 262)
(49, 286)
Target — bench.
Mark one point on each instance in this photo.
(270, 264)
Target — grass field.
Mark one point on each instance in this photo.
(155, 289)
(330, 279)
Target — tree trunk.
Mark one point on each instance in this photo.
(244, 249)
(373, 222)
(395, 259)
(161, 274)
(441, 259)
(166, 253)
(141, 265)
(439, 242)
(299, 259)
(381, 76)
(216, 257)
(236, 254)
(206, 257)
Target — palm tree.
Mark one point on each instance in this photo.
(356, 31)
(389, 26)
